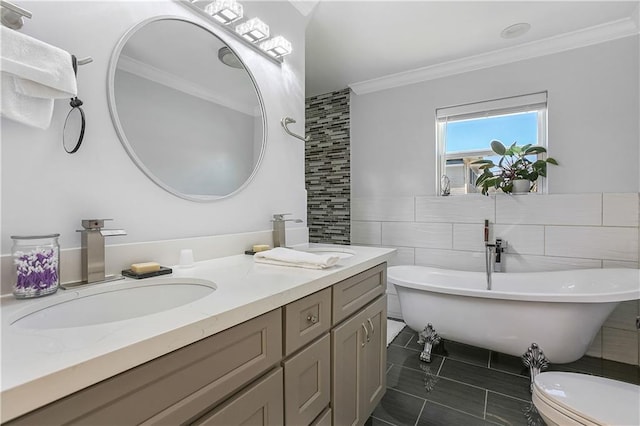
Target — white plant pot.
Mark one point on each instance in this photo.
(521, 186)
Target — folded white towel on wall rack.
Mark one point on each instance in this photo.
(34, 73)
(300, 259)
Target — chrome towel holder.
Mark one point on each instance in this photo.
(288, 120)
(12, 15)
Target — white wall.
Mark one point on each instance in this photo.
(593, 121)
(45, 190)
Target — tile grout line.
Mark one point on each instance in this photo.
(486, 397)
(424, 403)
(383, 421)
(441, 364)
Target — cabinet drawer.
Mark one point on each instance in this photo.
(175, 387)
(307, 383)
(355, 292)
(259, 404)
(305, 319)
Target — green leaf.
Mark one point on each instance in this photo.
(552, 161)
(539, 164)
(535, 150)
(498, 147)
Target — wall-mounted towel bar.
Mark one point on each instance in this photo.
(11, 15)
(85, 61)
(285, 122)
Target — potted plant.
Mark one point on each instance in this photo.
(513, 166)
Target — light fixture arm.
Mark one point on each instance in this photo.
(288, 120)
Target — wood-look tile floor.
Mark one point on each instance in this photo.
(466, 385)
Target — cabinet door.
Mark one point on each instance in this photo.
(374, 359)
(359, 361)
(347, 341)
(260, 404)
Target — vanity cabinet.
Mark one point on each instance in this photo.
(177, 387)
(359, 360)
(319, 360)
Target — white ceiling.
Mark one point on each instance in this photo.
(353, 41)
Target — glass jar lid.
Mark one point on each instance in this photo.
(34, 237)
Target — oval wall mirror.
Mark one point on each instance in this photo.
(186, 109)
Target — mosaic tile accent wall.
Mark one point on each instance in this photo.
(328, 168)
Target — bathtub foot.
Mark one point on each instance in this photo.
(429, 338)
(536, 360)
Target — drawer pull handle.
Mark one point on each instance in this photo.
(312, 318)
(366, 336)
(372, 330)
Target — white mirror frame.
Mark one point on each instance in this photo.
(113, 63)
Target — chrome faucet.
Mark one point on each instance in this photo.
(493, 254)
(93, 249)
(279, 232)
(493, 258)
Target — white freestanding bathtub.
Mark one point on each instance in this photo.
(561, 311)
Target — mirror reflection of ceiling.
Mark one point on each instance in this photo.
(188, 61)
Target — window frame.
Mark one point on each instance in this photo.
(537, 102)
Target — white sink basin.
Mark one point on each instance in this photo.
(111, 303)
(333, 251)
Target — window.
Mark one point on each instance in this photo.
(464, 133)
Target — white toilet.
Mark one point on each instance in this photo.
(580, 399)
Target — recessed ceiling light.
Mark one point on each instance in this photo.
(515, 30)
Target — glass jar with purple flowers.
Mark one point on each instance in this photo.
(36, 261)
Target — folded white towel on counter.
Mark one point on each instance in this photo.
(288, 257)
(34, 73)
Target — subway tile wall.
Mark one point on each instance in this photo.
(543, 233)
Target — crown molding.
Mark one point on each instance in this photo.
(149, 72)
(573, 40)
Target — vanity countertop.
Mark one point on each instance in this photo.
(41, 366)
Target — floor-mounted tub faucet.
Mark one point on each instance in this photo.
(279, 232)
(493, 258)
(493, 254)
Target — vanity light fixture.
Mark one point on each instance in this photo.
(224, 11)
(253, 30)
(254, 33)
(276, 47)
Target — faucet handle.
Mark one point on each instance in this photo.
(501, 245)
(112, 232)
(280, 216)
(93, 224)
